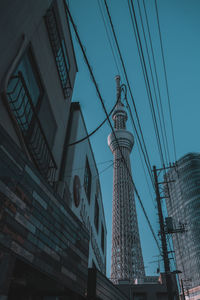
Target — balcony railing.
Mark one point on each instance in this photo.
(25, 113)
(59, 51)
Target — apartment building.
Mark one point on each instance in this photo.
(44, 247)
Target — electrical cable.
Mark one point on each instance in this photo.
(94, 131)
(166, 151)
(104, 22)
(157, 81)
(148, 85)
(141, 62)
(147, 80)
(153, 82)
(105, 169)
(147, 75)
(81, 168)
(130, 91)
(104, 162)
(145, 175)
(128, 107)
(104, 108)
(149, 170)
(98, 174)
(145, 70)
(166, 80)
(131, 115)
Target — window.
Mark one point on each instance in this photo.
(87, 180)
(23, 86)
(96, 214)
(94, 265)
(59, 49)
(76, 190)
(102, 238)
(26, 99)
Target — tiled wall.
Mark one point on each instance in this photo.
(36, 225)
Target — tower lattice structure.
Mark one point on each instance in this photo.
(127, 261)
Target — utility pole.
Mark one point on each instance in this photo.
(163, 239)
(183, 292)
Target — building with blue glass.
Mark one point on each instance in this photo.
(183, 205)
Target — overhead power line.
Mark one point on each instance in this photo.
(166, 80)
(128, 106)
(154, 86)
(145, 153)
(93, 132)
(149, 89)
(141, 56)
(131, 116)
(158, 86)
(83, 167)
(157, 81)
(109, 40)
(104, 108)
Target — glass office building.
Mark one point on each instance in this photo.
(183, 206)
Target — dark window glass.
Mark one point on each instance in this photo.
(87, 180)
(59, 49)
(96, 214)
(27, 66)
(102, 238)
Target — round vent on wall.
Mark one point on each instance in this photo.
(76, 190)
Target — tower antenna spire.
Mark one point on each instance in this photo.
(118, 88)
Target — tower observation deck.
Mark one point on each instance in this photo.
(127, 261)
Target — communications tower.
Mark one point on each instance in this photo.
(127, 261)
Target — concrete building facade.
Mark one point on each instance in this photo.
(183, 206)
(44, 247)
(38, 70)
(81, 175)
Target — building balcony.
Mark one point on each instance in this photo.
(25, 112)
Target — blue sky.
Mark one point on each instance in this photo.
(180, 23)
